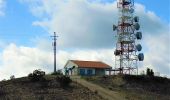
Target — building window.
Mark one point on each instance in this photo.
(82, 71)
(89, 72)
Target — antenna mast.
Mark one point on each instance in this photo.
(54, 37)
(128, 33)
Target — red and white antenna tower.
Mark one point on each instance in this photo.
(126, 53)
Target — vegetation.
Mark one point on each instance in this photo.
(49, 89)
(2, 92)
(12, 77)
(37, 75)
(134, 87)
(38, 86)
(58, 72)
(63, 80)
(149, 72)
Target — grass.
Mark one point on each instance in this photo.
(135, 87)
(48, 89)
(128, 86)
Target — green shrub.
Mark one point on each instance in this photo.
(37, 75)
(63, 80)
(149, 72)
(29, 75)
(12, 77)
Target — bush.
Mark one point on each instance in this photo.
(149, 72)
(12, 77)
(37, 75)
(63, 80)
(30, 75)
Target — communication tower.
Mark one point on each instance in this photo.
(127, 52)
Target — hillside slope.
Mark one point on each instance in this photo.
(104, 92)
(135, 87)
(49, 89)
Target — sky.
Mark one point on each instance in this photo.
(85, 33)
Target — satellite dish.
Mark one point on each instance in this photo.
(141, 56)
(126, 2)
(136, 19)
(131, 10)
(114, 27)
(139, 35)
(138, 47)
(117, 52)
(137, 26)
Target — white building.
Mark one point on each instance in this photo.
(85, 68)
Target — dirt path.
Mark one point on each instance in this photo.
(105, 93)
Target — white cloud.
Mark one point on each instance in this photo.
(90, 23)
(20, 60)
(2, 5)
(150, 22)
(158, 53)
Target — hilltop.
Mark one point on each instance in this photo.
(132, 87)
(129, 87)
(48, 89)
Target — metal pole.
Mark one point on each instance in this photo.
(54, 47)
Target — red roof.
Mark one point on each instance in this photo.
(90, 64)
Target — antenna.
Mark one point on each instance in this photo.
(128, 33)
(54, 37)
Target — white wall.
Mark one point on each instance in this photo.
(70, 64)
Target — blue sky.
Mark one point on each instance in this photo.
(85, 25)
(16, 25)
(160, 7)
